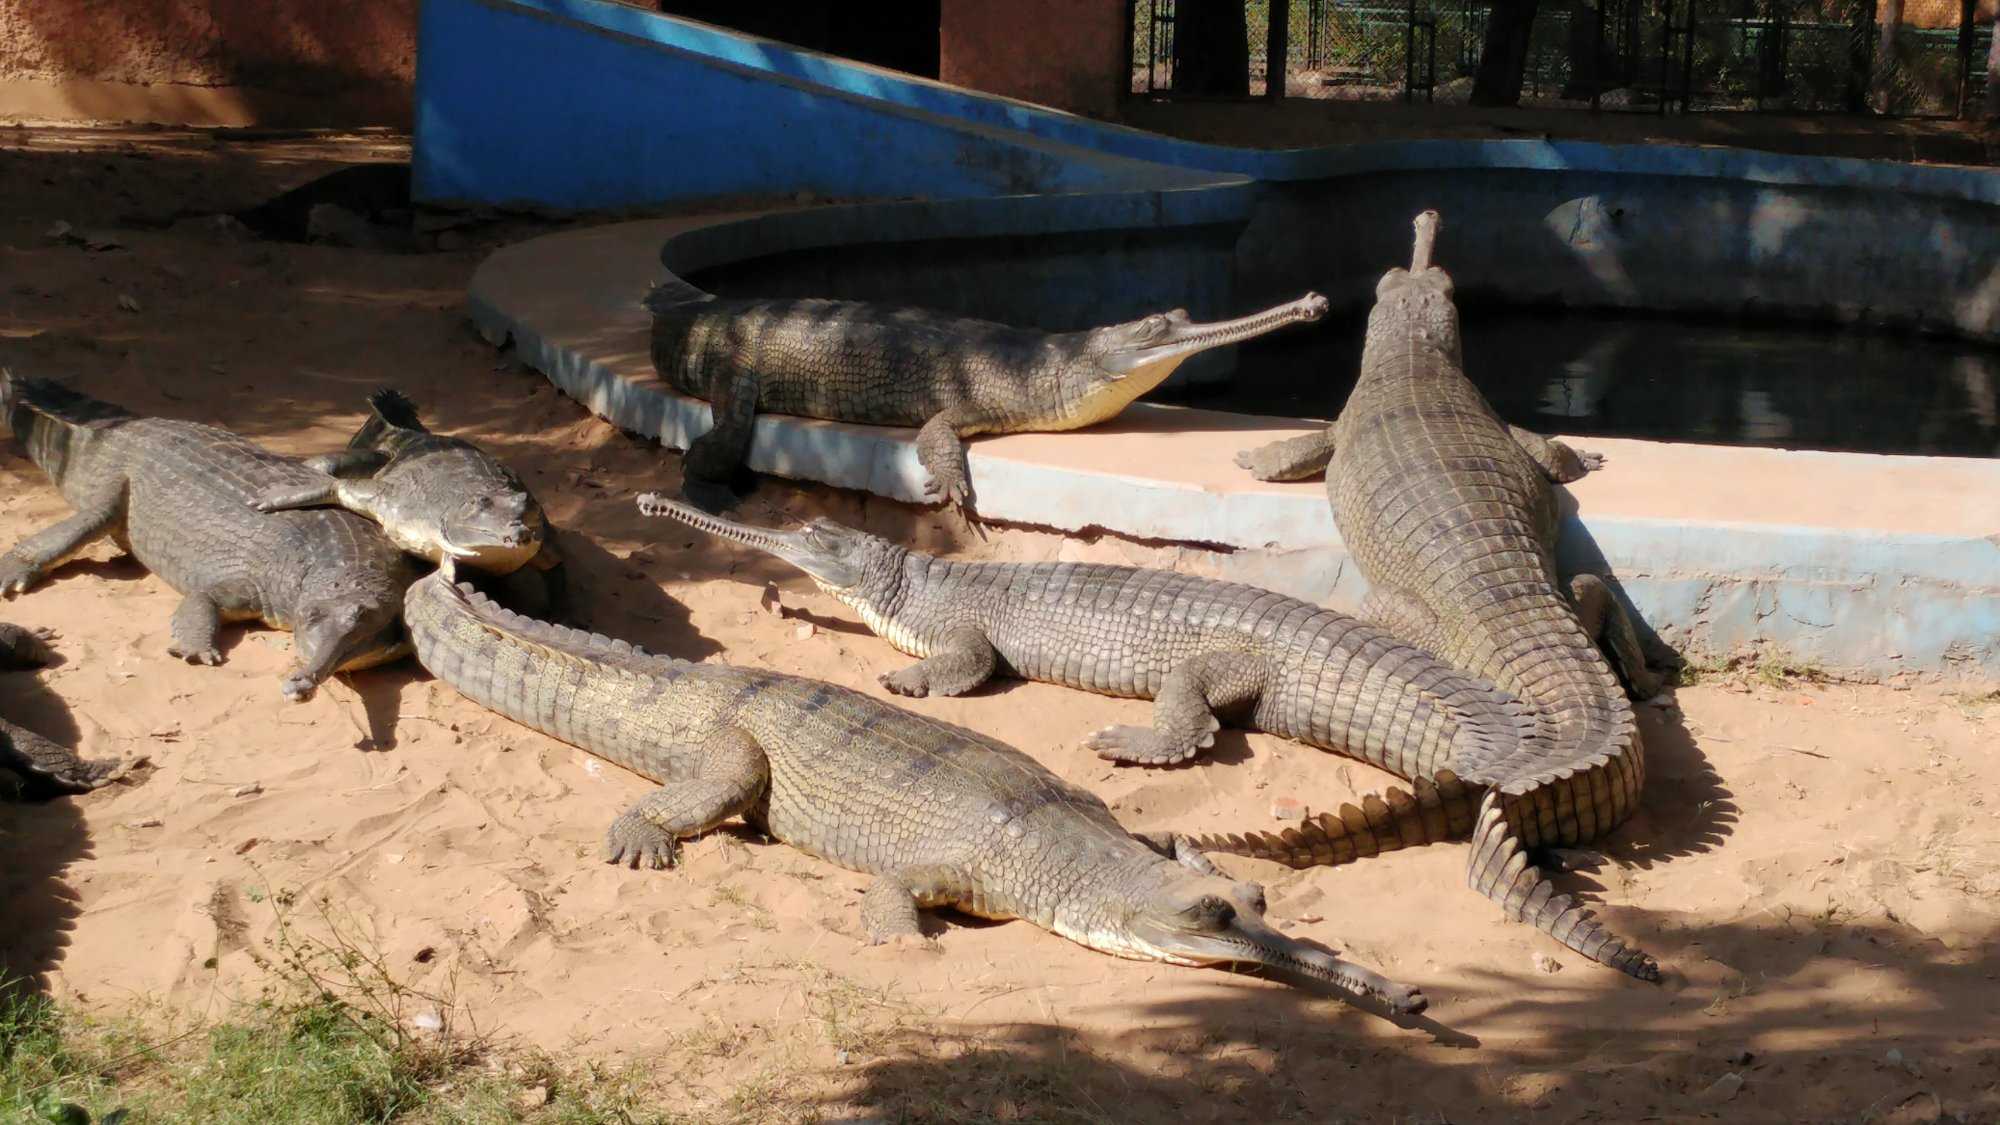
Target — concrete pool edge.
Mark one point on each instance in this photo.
(1719, 548)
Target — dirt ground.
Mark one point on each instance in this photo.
(1814, 865)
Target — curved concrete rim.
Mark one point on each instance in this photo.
(1874, 564)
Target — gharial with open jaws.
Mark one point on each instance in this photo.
(953, 377)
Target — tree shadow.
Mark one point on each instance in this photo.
(1803, 1040)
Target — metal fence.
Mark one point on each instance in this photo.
(1646, 55)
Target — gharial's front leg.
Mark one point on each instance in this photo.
(714, 457)
(1558, 461)
(1295, 458)
(192, 632)
(961, 660)
(1605, 621)
(942, 455)
(731, 774)
(35, 556)
(1184, 719)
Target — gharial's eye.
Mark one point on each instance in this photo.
(1207, 913)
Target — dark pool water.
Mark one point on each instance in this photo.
(1669, 380)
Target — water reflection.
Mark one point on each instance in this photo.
(1670, 380)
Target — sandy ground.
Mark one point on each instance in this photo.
(1814, 866)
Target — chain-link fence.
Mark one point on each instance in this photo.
(1912, 58)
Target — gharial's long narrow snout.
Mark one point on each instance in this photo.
(795, 547)
(1247, 940)
(1180, 337)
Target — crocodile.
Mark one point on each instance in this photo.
(434, 495)
(177, 496)
(940, 815)
(30, 763)
(1451, 515)
(886, 365)
(1197, 646)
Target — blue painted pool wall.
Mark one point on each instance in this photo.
(523, 104)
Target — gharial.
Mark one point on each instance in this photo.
(437, 497)
(1451, 515)
(1200, 647)
(940, 815)
(28, 761)
(953, 377)
(177, 496)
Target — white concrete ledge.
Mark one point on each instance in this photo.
(1863, 563)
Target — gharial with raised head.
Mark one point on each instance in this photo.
(1450, 514)
(884, 365)
(177, 496)
(30, 763)
(941, 816)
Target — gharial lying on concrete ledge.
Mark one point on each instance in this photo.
(848, 361)
(1199, 646)
(177, 496)
(941, 815)
(1450, 514)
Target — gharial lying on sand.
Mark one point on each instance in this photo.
(435, 496)
(29, 762)
(1199, 646)
(848, 361)
(177, 496)
(1450, 514)
(940, 815)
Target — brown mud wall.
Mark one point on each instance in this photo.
(1065, 53)
(208, 62)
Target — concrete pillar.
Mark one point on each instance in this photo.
(1070, 54)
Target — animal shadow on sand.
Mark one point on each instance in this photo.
(41, 835)
(1685, 809)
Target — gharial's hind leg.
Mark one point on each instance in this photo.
(889, 906)
(1561, 463)
(1606, 622)
(714, 458)
(192, 631)
(731, 775)
(1184, 719)
(1295, 458)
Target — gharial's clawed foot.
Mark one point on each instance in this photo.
(635, 842)
(1590, 460)
(954, 489)
(1568, 859)
(1141, 746)
(709, 496)
(910, 681)
(15, 576)
(899, 943)
(1258, 467)
(205, 655)
(299, 686)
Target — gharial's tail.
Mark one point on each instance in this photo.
(1442, 810)
(392, 410)
(57, 402)
(672, 293)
